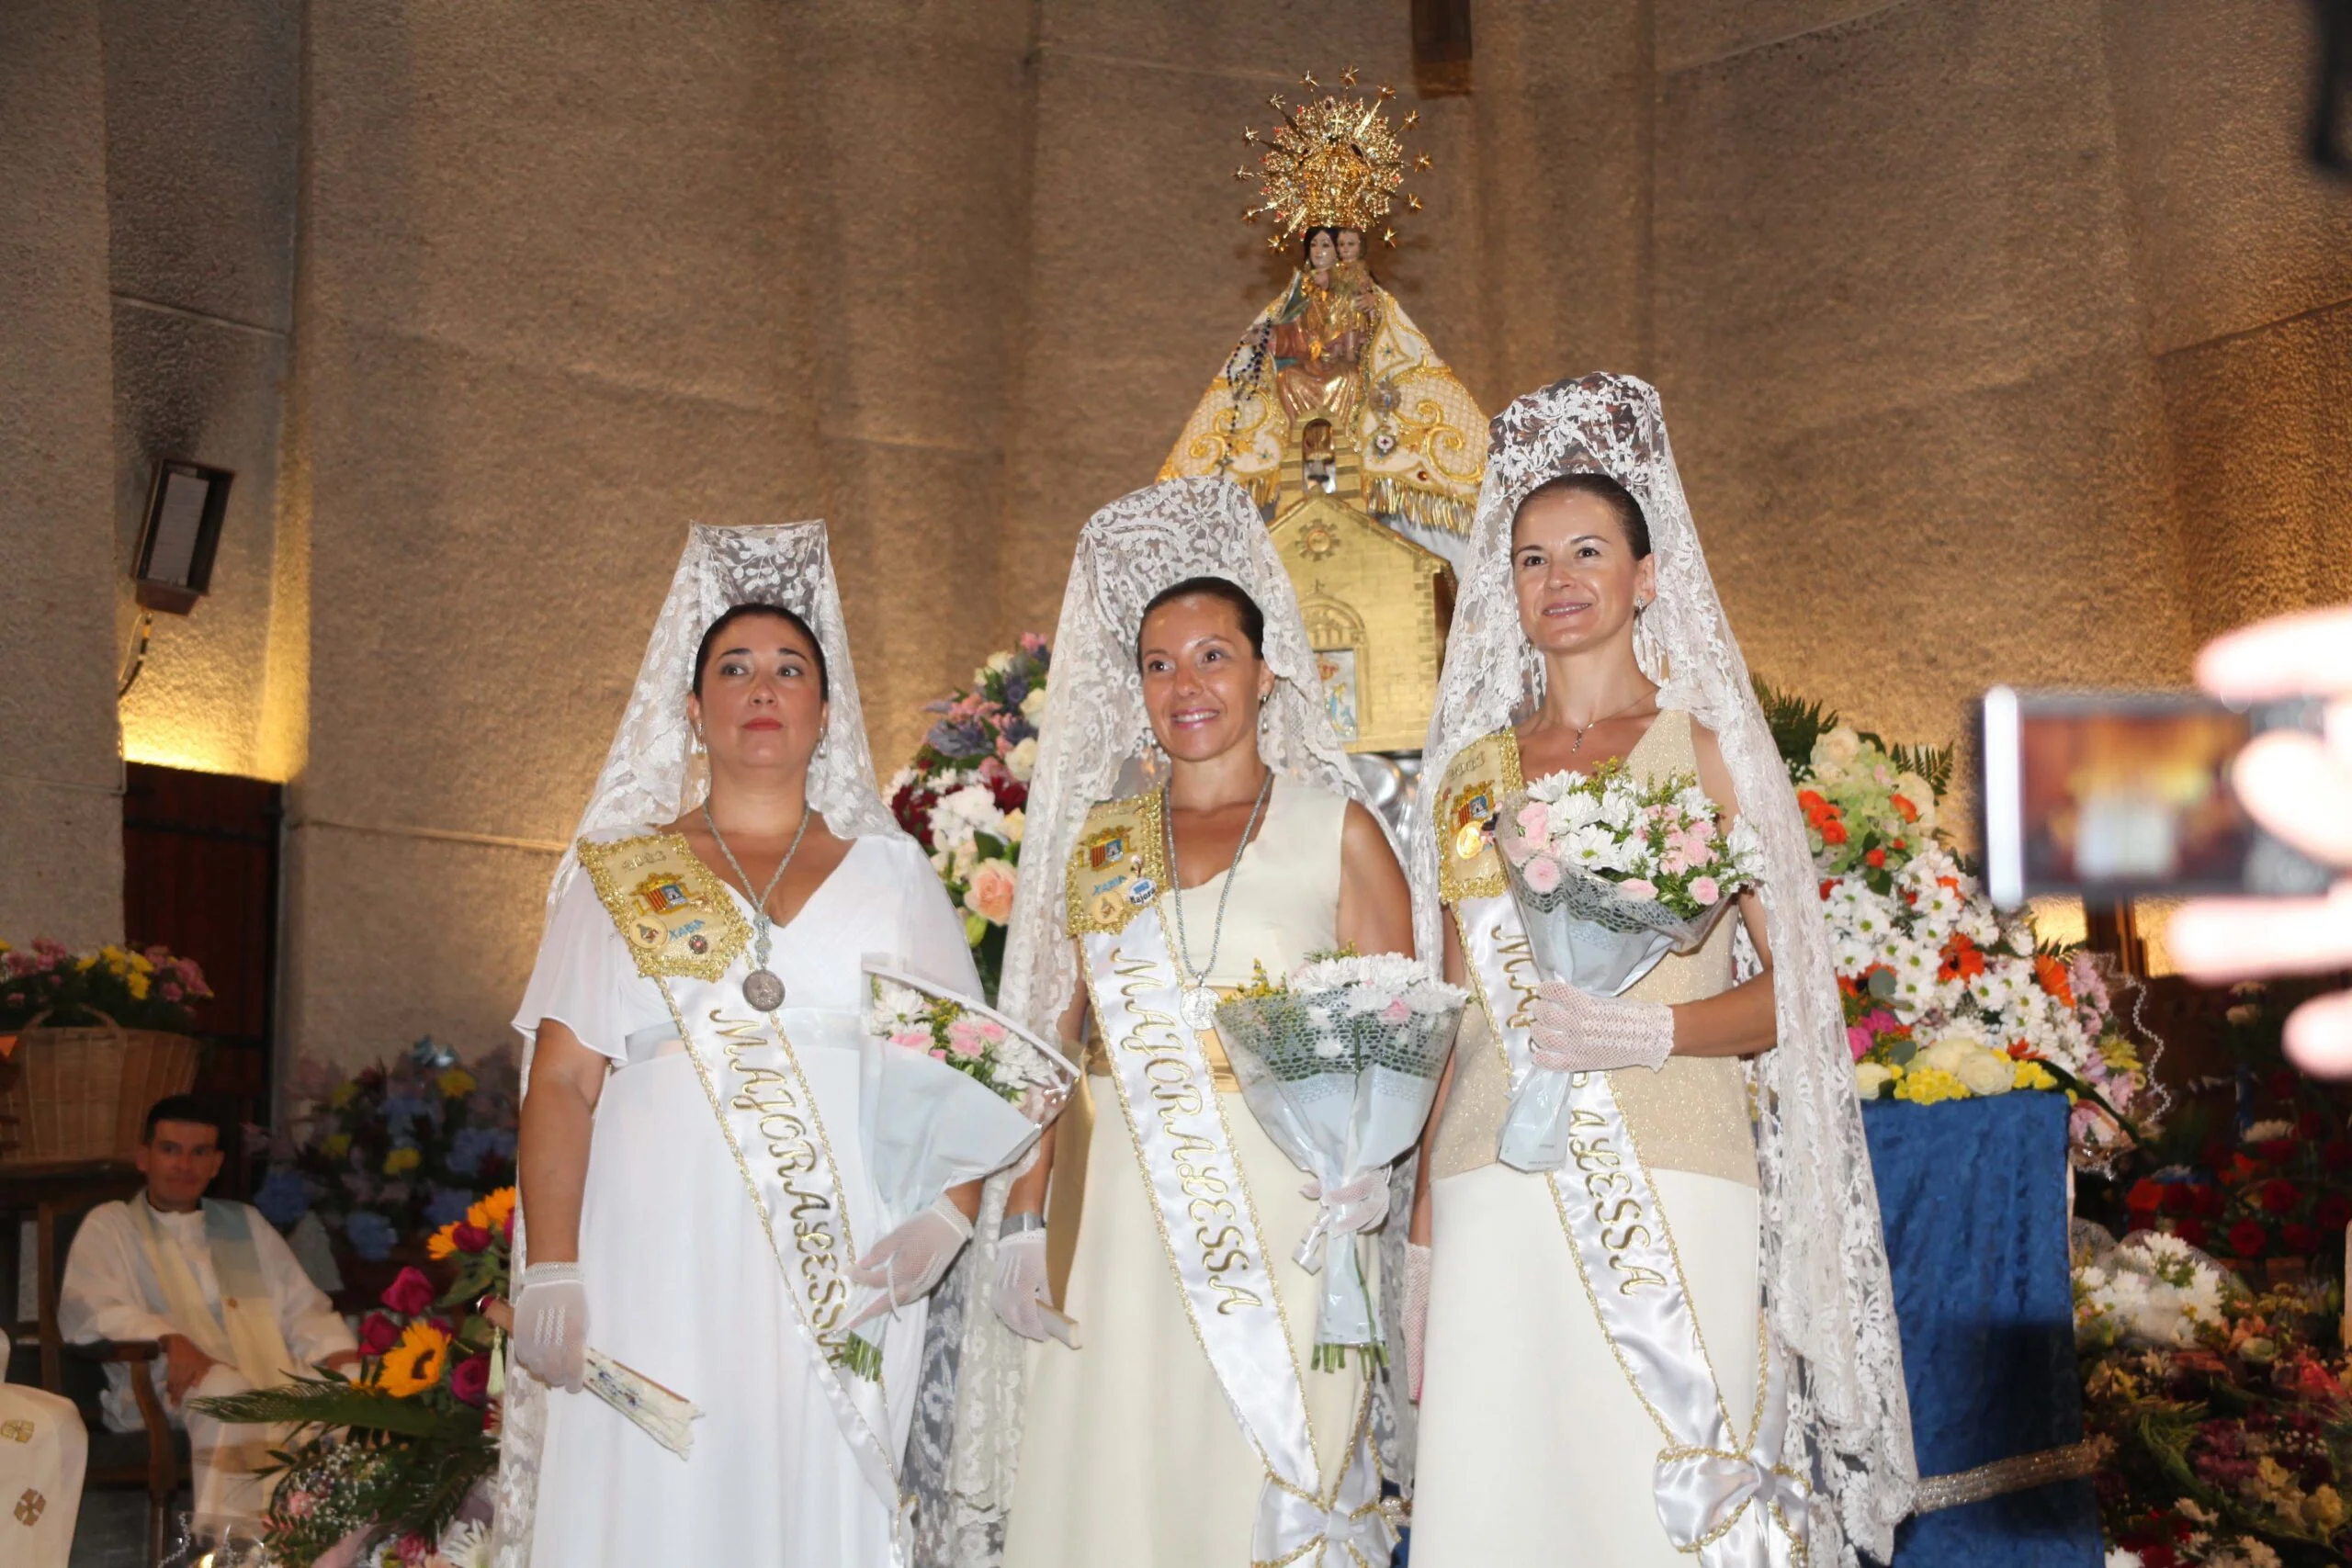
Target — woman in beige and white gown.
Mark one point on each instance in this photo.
(1132, 1453)
(1560, 1422)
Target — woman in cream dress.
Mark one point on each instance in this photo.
(1566, 1417)
(1134, 1450)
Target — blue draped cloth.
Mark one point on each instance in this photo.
(1973, 1196)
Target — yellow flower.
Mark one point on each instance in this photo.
(142, 963)
(2325, 1508)
(442, 1243)
(87, 963)
(1926, 1085)
(415, 1363)
(335, 1146)
(2033, 1074)
(399, 1162)
(139, 986)
(456, 1083)
(492, 1212)
(345, 1093)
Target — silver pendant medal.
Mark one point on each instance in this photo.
(762, 989)
(1195, 1001)
(1198, 1004)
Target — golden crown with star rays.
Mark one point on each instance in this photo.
(1333, 162)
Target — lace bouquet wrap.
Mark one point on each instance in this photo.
(948, 1092)
(1339, 1065)
(1610, 874)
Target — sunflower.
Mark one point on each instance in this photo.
(415, 1363)
(492, 1212)
(443, 1242)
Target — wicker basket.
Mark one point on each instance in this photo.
(83, 1094)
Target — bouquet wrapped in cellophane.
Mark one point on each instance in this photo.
(949, 1090)
(1339, 1064)
(1610, 874)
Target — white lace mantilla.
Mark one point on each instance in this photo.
(1827, 1292)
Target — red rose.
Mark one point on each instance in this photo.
(2335, 1211)
(409, 1294)
(2247, 1238)
(1833, 833)
(2208, 1200)
(470, 1238)
(2309, 1125)
(2218, 1155)
(2277, 1151)
(2191, 1231)
(2301, 1240)
(1876, 857)
(469, 1381)
(2277, 1196)
(2179, 1197)
(377, 1334)
(2145, 1197)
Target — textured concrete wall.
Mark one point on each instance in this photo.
(61, 811)
(1981, 363)
(201, 142)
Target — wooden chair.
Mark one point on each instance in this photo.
(154, 1459)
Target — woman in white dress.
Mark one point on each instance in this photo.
(1178, 1427)
(691, 1172)
(1682, 1340)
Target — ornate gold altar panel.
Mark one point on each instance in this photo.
(1371, 599)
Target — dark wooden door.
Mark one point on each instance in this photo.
(199, 876)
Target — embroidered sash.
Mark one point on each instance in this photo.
(1734, 1506)
(1116, 878)
(686, 934)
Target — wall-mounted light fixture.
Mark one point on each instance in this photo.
(182, 530)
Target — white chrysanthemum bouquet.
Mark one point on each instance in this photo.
(1340, 1063)
(2149, 1289)
(1613, 873)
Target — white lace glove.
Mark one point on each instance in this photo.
(1022, 1296)
(1414, 1317)
(907, 1264)
(551, 1324)
(1574, 1032)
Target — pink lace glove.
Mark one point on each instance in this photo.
(1415, 1315)
(1574, 1032)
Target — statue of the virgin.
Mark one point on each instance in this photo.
(1335, 348)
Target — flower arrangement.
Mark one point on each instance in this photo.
(964, 795)
(392, 1455)
(1340, 1063)
(1944, 997)
(946, 1031)
(396, 1150)
(138, 989)
(1656, 843)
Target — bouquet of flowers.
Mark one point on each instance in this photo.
(1340, 1063)
(396, 1150)
(387, 1460)
(137, 989)
(964, 795)
(948, 1091)
(1945, 998)
(1611, 873)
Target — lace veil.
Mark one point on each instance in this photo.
(1096, 745)
(651, 775)
(1826, 1286)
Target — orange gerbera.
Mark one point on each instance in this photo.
(415, 1363)
(1962, 960)
(492, 1212)
(2052, 975)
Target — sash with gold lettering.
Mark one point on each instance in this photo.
(687, 935)
(1733, 1507)
(1117, 876)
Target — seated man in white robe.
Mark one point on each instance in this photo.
(43, 1450)
(214, 1285)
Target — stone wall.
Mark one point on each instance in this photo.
(2001, 339)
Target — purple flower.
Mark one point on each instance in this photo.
(284, 1197)
(448, 1205)
(371, 1235)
